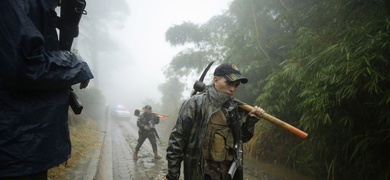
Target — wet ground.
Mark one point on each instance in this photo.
(124, 140)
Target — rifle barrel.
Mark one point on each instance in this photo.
(277, 121)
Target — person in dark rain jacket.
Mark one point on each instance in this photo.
(203, 135)
(35, 81)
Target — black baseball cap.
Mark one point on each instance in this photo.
(230, 72)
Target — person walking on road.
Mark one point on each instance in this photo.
(210, 130)
(146, 123)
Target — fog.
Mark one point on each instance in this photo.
(131, 72)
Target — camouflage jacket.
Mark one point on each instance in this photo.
(147, 119)
(187, 137)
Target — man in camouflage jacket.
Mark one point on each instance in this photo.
(187, 138)
(146, 122)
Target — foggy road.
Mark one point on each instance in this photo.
(124, 135)
(124, 140)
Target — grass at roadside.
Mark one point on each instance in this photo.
(84, 137)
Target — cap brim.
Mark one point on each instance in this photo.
(236, 77)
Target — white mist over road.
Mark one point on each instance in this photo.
(144, 49)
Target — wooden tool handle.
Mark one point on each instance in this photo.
(277, 121)
(162, 116)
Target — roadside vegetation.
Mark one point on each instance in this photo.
(322, 66)
(83, 133)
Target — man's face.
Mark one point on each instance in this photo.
(224, 86)
(148, 110)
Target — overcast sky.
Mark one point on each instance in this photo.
(142, 44)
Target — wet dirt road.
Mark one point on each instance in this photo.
(124, 139)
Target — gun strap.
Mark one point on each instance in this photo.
(229, 108)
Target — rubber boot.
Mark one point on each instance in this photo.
(135, 155)
(156, 156)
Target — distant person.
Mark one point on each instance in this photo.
(210, 130)
(146, 122)
(35, 81)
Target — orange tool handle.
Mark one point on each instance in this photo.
(277, 121)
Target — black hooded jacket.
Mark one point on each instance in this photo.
(35, 78)
(188, 135)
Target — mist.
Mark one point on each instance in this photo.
(126, 47)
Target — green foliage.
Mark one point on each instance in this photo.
(184, 33)
(322, 66)
(170, 104)
(95, 35)
(337, 76)
(171, 91)
(204, 43)
(95, 25)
